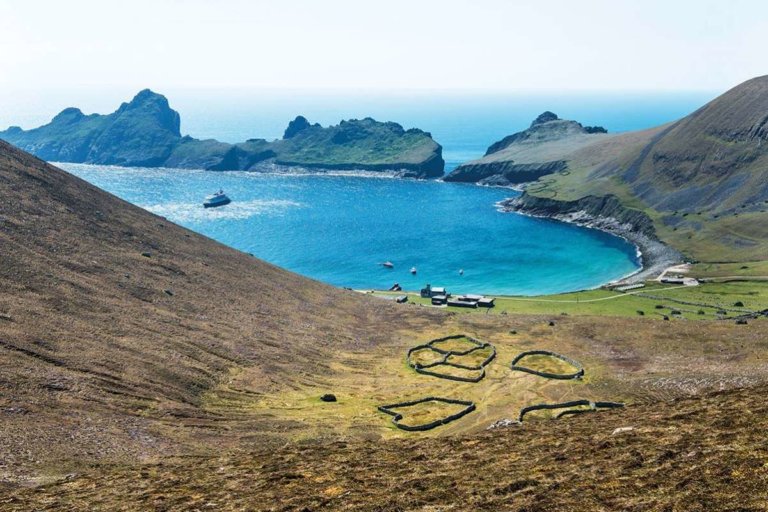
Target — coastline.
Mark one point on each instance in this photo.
(275, 169)
(654, 256)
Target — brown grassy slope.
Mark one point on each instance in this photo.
(690, 455)
(93, 349)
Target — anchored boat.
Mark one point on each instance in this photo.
(216, 200)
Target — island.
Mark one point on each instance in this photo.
(145, 132)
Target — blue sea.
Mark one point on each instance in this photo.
(339, 229)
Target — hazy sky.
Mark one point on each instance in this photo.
(384, 45)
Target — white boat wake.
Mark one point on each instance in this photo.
(237, 210)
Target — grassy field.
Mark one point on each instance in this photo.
(699, 454)
(547, 364)
(626, 358)
(427, 412)
(746, 269)
(655, 300)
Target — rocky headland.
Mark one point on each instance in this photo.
(145, 132)
(530, 154)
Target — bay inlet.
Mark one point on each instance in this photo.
(339, 228)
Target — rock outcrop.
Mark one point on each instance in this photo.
(593, 207)
(504, 173)
(146, 133)
(528, 155)
(547, 126)
(295, 126)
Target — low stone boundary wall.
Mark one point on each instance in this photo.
(396, 416)
(593, 406)
(579, 373)
(695, 304)
(424, 369)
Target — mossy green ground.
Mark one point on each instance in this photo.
(546, 364)
(747, 269)
(653, 300)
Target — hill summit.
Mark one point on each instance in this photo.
(142, 132)
(714, 159)
(529, 154)
(546, 127)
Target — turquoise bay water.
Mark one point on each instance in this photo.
(338, 229)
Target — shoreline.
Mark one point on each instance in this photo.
(654, 256)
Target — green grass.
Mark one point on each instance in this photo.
(546, 364)
(364, 142)
(712, 296)
(475, 358)
(426, 356)
(427, 412)
(455, 345)
(746, 269)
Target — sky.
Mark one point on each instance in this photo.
(392, 46)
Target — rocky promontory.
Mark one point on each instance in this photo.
(528, 155)
(145, 132)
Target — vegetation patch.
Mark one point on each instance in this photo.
(569, 406)
(543, 359)
(397, 417)
(708, 297)
(441, 358)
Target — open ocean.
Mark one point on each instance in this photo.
(338, 229)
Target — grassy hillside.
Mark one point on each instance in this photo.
(129, 345)
(703, 180)
(541, 150)
(115, 323)
(693, 455)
